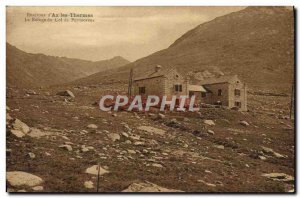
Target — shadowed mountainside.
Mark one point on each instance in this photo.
(257, 43)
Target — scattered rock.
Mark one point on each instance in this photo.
(47, 93)
(152, 130)
(262, 157)
(147, 187)
(219, 146)
(114, 136)
(31, 92)
(157, 165)
(67, 147)
(38, 188)
(84, 150)
(67, 93)
(208, 184)
(211, 132)
(135, 137)
(8, 117)
(94, 170)
(161, 116)
(139, 143)
(88, 184)
(186, 119)
(131, 151)
(279, 177)
(20, 178)
(31, 155)
(128, 142)
(37, 133)
(92, 126)
(65, 137)
(125, 134)
(209, 122)
(244, 123)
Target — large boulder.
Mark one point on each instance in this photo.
(67, 93)
(19, 128)
(88, 184)
(19, 178)
(279, 177)
(94, 170)
(272, 152)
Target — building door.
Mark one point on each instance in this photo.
(191, 93)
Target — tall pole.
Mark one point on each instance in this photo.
(130, 82)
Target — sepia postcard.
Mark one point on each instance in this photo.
(187, 99)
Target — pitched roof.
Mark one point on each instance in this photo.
(154, 74)
(222, 79)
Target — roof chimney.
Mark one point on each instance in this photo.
(157, 68)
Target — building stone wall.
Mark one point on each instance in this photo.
(242, 98)
(174, 78)
(153, 86)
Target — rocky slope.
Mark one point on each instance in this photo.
(32, 70)
(55, 143)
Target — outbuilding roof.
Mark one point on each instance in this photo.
(222, 79)
(196, 88)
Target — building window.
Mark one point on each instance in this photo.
(237, 92)
(142, 90)
(203, 94)
(219, 92)
(178, 88)
(238, 104)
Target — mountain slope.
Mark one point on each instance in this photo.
(32, 70)
(256, 43)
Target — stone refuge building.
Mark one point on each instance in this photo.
(226, 90)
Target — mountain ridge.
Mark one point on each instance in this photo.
(33, 70)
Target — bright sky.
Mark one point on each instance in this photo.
(130, 32)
